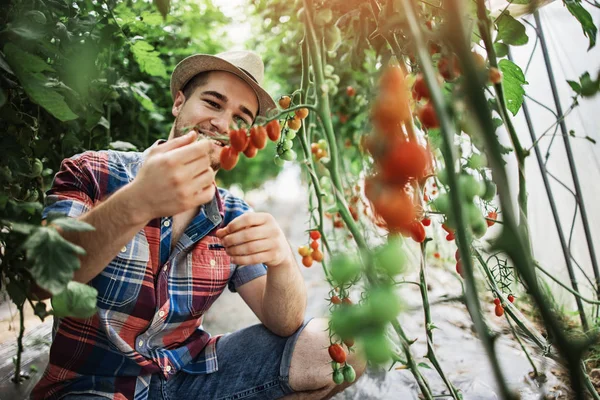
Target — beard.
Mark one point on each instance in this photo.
(213, 155)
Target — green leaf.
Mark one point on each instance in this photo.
(163, 7)
(24, 61)
(53, 259)
(77, 300)
(4, 65)
(424, 365)
(16, 293)
(584, 18)
(28, 68)
(589, 87)
(142, 97)
(512, 84)
(501, 49)
(71, 224)
(148, 59)
(511, 31)
(575, 86)
(20, 227)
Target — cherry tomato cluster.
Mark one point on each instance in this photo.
(319, 149)
(312, 253)
(498, 308)
(284, 147)
(248, 142)
(401, 161)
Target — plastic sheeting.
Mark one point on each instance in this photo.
(567, 48)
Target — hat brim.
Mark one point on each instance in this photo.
(194, 65)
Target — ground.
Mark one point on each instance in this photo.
(457, 347)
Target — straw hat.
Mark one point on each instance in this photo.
(245, 64)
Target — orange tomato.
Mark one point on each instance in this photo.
(273, 130)
(228, 158)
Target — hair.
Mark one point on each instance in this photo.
(194, 83)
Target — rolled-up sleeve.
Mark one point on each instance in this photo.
(244, 274)
(72, 192)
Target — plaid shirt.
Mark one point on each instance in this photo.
(150, 300)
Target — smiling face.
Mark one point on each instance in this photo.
(217, 102)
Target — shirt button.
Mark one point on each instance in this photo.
(167, 223)
(213, 263)
(161, 313)
(165, 267)
(168, 368)
(140, 343)
(124, 249)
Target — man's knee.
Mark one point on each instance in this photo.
(311, 364)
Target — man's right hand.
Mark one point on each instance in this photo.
(176, 176)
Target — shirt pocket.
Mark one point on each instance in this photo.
(208, 267)
(120, 282)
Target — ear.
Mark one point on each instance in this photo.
(178, 103)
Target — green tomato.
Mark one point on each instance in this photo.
(391, 258)
(278, 161)
(36, 168)
(338, 377)
(328, 69)
(442, 176)
(477, 161)
(287, 144)
(290, 134)
(490, 191)
(377, 348)
(479, 229)
(470, 186)
(383, 305)
(349, 373)
(289, 155)
(344, 268)
(442, 203)
(335, 365)
(322, 143)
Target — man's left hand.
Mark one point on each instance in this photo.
(255, 238)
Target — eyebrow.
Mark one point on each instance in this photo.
(224, 99)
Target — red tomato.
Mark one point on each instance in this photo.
(250, 151)
(459, 268)
(337, 353)
(239, 140)
(307, 261)
(497, 301)
(417, 232)
(426, 221)
(315, 235)
(350, 91)
(314, 244)
(404, 160)
(499, 310)
(511, 298)
(336, 300)
(317, 255)
(428, 116)
(396, 208)
(492, 215)
(228, 158)
(420, 89)
(258, 136)
(273, 130)
(346, 300)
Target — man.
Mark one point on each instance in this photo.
(166, 244)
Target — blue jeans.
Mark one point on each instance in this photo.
(254, 363)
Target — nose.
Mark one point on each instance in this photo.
(221, 123)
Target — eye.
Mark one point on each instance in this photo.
(241, 121)
(213, 104)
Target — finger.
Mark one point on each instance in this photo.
(257, 258)
(194, 169)
(180, 141)
(245, 221)
(192, 152)
(204, 195)
(245, 236)
(249, 248)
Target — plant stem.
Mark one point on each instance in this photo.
(514, 332)
(429, 329)
(447, 129)
(17, 378)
